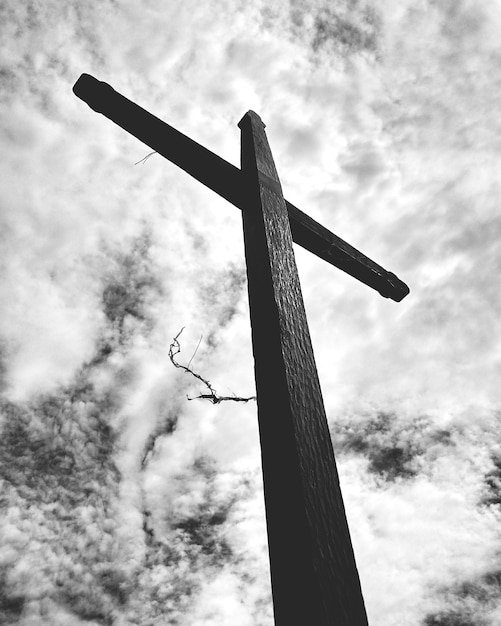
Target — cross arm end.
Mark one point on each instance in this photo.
(314, 237)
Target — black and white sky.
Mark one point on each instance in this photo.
(123, 503)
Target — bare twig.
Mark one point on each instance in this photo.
(196, 350)
(174, 350)
(143, 160)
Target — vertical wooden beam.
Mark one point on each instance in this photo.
(314, 576)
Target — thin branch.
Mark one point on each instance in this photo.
(143, 160)
(196, 350)
(174, 350)
(215, 399)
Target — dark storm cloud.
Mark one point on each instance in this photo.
(492, 480)
(42, 444)
(452, 618)
(58, 458)
(343, 27)
(59, 474)
(393, 447)
(131, 287)
(167, 425)
(203, 526)
(185, 544)
(200, 525)
(11, 604)
(469, 603)
(347, 33)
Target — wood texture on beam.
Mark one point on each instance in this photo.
(314, 576)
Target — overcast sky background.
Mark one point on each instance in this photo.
(125, 504)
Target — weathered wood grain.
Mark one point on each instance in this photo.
(314, 576)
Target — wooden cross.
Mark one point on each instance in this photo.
(313, 571)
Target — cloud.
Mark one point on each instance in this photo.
(125, 502)
(60, 487)
(470, 602)
(411, 481)
(347, 31)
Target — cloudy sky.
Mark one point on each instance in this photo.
(123, 503)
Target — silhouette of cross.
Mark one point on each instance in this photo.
(314, 576)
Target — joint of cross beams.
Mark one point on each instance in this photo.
(273, 185)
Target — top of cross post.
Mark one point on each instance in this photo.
(249, 117)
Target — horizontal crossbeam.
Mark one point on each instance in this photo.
(226, 180)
